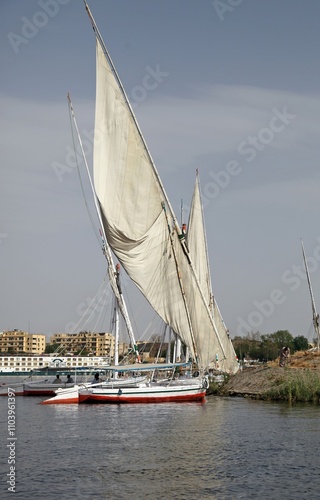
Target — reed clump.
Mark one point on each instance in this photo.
(214, 389)
(302, 385)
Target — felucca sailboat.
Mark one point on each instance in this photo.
(144, 235)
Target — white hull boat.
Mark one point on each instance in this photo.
(70, 395)
(43, 388)
(159, 386)
(152, 392)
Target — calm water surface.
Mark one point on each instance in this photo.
(227, 448)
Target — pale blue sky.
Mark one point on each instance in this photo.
(236, 95)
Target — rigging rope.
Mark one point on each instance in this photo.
(88, 308)
(102, 310)
(93, 224)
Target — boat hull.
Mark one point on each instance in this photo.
(17, 389)
(142, 395)
(64, 396)
(17, 386)
(34, 389)
(70, 395)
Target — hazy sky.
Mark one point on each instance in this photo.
(229, 87)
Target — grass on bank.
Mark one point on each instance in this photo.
(297, 386)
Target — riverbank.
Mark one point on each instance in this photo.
(298, 381)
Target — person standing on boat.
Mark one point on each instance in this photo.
(57, 380)
(96, 379)
(69, 380)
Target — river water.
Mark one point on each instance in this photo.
(226, 448)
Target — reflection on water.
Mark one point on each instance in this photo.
(223, 449)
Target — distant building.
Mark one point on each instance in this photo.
(16, 341)
(152, 351)
(25, 363)
(97, 344)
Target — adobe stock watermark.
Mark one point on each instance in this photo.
(31, 27)
(248, 149)
(93, 484)
(91, 138)
(225, 6)
(151, 80)
(74, 156)
(89, 308)
(3, 236)
(291, 278)
(11, 440)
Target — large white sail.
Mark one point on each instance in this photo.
(139, 223)
(230, 363)
(197, 244)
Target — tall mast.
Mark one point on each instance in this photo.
(315, 316)
(116, 347)
(113, 272)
